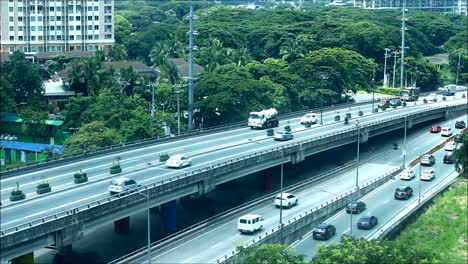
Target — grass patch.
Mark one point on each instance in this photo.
(443, 227)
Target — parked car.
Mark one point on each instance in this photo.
(435, 129)
(288, 200)
(395, 102)
(460, 124)
(283, 135)
(450, 146)
(122, 184)
(178, 161)
(367, 222)
(384, 104)
(323, 231)
(446, 131)
(250, 223)
(448, 158)
(432, 97)
(309, 118)
(407, 174)
(355, 207)
(427, 175)
(427, 160)
(403, 192)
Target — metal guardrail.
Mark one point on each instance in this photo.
(162, 139)
(78, 209)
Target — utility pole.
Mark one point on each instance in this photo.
(403, 28)
(152, 85)
(190, 70)
(395, 55)
(385, 80)
(458, 67)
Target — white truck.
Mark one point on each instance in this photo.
(264, 119)
(449, 90)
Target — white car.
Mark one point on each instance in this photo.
(432, 97)
(122, 184)
(446, 132)
(407, 174)
(450, 146)
(178, 161)
(249, 223)
(428, 175)
(310, 118)
(288, 200)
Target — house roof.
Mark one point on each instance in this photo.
(183, 67)
(32, 147)
(67, 54)
(13, 117)
(140, 67)
(56, 88)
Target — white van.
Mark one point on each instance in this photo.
(250, 223)
(446, 131)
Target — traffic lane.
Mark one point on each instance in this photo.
(186, 253)
(147, 154)
(380, 203)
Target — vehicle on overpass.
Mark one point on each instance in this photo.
(449, 90)
(323, 231)
(309, 118)
(407, 174)
(250, 223)
(410, 94)
(283, 135)
(122, 184)
(264, 119)
(384, 104)
(288, 200)
(367, 222)
(178, 161)
(403, 192)
(432, 97)
(395, 102)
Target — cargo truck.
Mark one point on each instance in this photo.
(264, 119)
(410, 94)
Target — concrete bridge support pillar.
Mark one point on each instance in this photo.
(168, 212)
(24, 259)
(122, 226)
(267, 180)
(66, 250)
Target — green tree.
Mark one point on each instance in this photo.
(34, 123)
(117, 53)
(454, 58)
(361, 251)
(461, 157)
(122, 29)
(269, 254)
(91, 137)
(74, 109)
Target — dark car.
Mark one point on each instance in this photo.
(384, 104)
(324, 231)
(355, 207)
(460, 124)
(448, 158)
(435, 129)
(403, 192)
(395, 102)
(367, 222)
(427, 160)
(457, 138)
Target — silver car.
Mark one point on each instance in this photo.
(283, 135)
(122, 184)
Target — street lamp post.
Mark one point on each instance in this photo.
(281, 192)
(357, 159)
(149, 225)
(420, 172)
(178, 110)
(404, 146)
(323, 77)
(152, 85)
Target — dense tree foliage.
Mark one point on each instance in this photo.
(270, 254)
(461, 157)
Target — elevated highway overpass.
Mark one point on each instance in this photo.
(66, 215)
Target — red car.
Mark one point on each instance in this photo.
(435, 129)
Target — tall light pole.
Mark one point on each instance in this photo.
(152, 85)
(192, 48)
(323, 78)
(395, 55)
(403, 29)
(177, 92)
(385, 68)
(420, 172)
(404, 145)
(281, 192)
(357, 159)
(149, 225)
(350, 215)
(122, 84)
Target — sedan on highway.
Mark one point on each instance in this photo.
(178, 161)
(450, 146)
(403, 192)
(427, 175)
(122, 184)
(460, 124)
(309, 118)
(407, 175)
(283, 135)
(323, 231)
(287, 201)
(395, 102)
(384, 104)
(355, 207)
(435, 129)
(367, 222)
(427, 160)
(448, 158)
(432, 97)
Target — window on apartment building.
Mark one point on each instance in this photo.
(20, 9)
(33, 19)
(20, 38)
(96, 36)
(10, 19)
(71, 37)
(33, 49)
(10, 9)
(58, 18)
(90, 37)
(52, 9)
(71, 18)
(78, 18)
(20, 19)
(12, 49)
(96, 8)
(90, 8)
(51, 18)
(90, 18)
(96, 27)
(33, 38)
(90, 27)
(78, 27)
(72, 28)
(40, 38)
(39, 28)
(78, 37)
(11, 1)
(20, 28)
(108, 36)
(11, 28)
(96, 18)
(52, 27)
(12, 37)
(59, 9)
(39, 19)
(59, 48)
(33, 28)
(59, 28)
(59, 37)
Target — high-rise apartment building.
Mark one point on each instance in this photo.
(451, 6)
(56, 25)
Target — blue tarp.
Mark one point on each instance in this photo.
(31, 147)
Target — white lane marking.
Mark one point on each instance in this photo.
(346, 231)
(188, 260)
(217, 244)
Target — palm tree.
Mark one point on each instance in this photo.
(159, 54)
(170, 72)
(117, 52)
